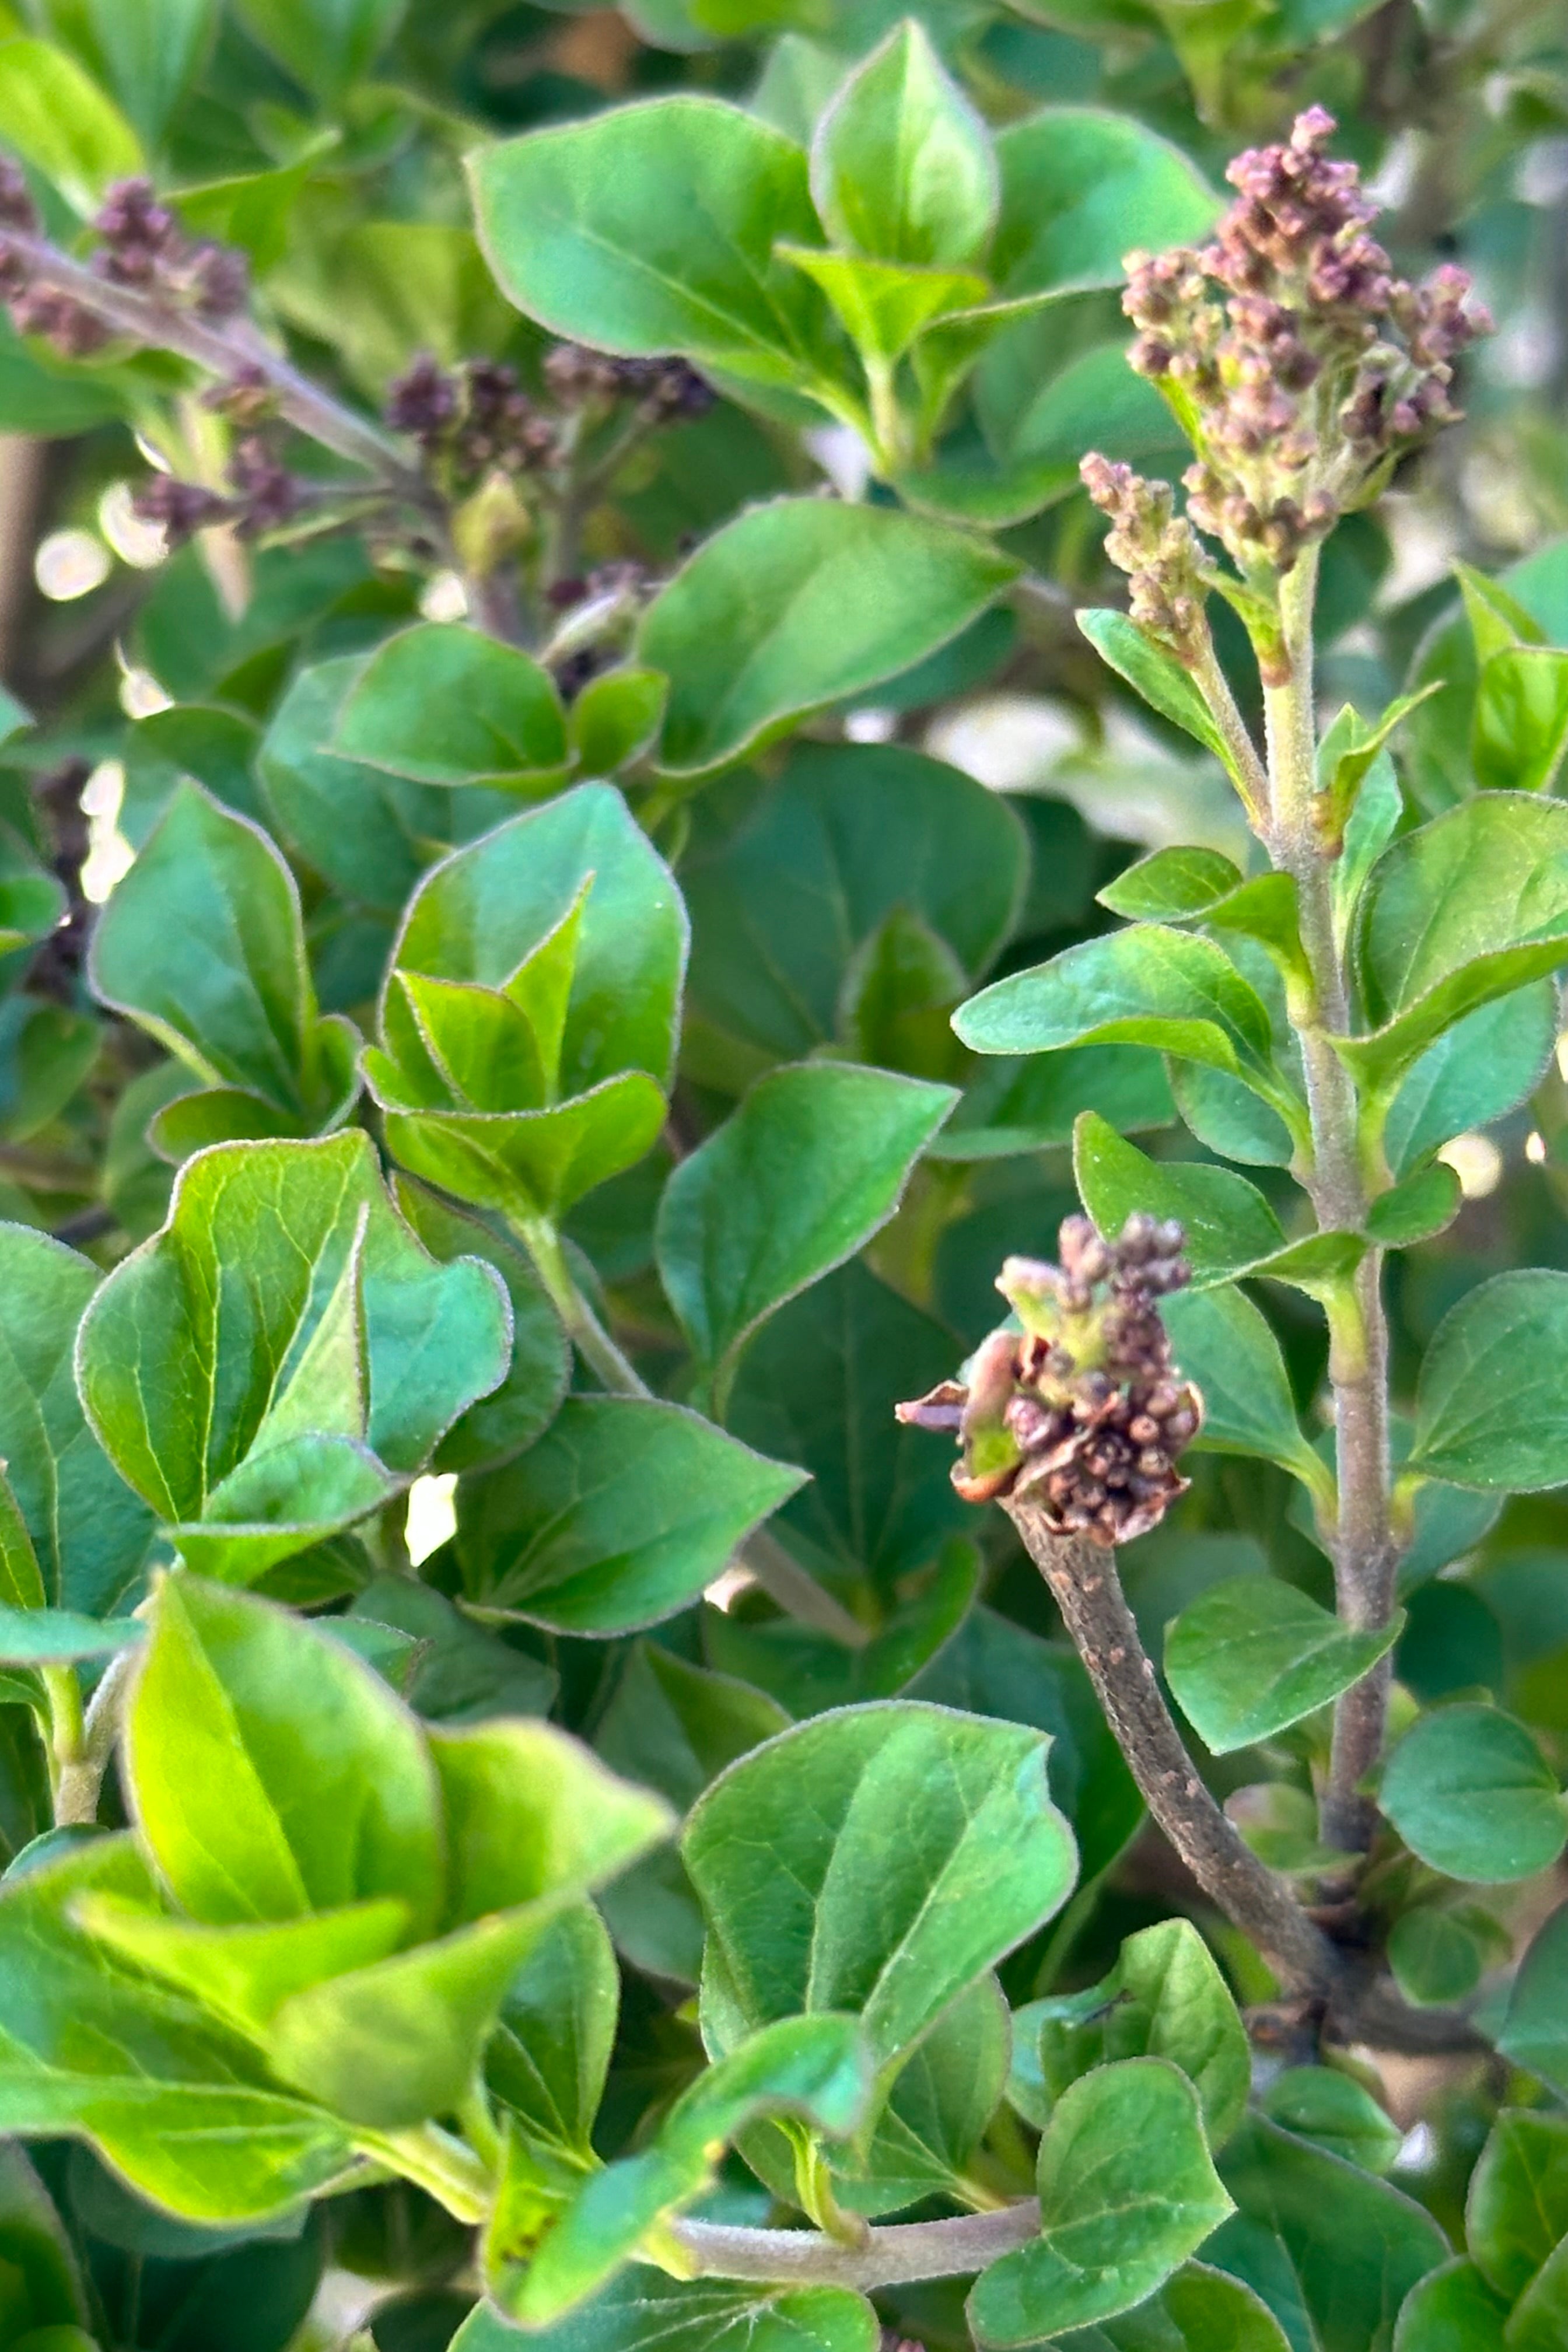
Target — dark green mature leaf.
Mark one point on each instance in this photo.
(1417, 1209)
(53, 1637)
(652, 228)
(325, 44)
(1199, 2310)
(1333, 2252)
(1435, 1958)
(814, 2070)
(1080, 188)
(812, 1165)
(1335, 2112)
(1534, 2032)
(1022, 1106)
(39, 2284)
(1483, 1066)
(1223, 1344)
(949, 1813)
(1154, 674)
(1452, 2310)
(847, 834)
(901, 165)
(548, 2057)
(1471, 1793)
(1466, 909)
(1517, 2210)
(88, 1530)
(345, 1336)
(617, 1517)
(797, 604)
(645, 2311)
(817, 1386)
(443, 704)
(204, 945)
(938, 2109)
(1127, 2193)
(461, 1672)
(811, 1672)
(1490, 1408)
(1251, 1657)
(182, 2107)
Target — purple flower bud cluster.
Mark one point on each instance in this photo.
(474, 419)
(665, 390)
(1302, 367)
(1083, 1412)
(1157, 546)
(141, 246)
(262, 495)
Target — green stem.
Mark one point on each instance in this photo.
(1365, 1556)
(63, 1692)
(91, 1743)
(480, 2127)
(446, 2167)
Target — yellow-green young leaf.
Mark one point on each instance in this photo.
(883, 305)
(901, 165)
(89, 1532)
(1490, 1407)
(1127, 2193)
(442, 704)
(1170, 885)
(1471, 1794)
(1465, 910)
(615, 718)
(814, 2070)
(21, 1580)
(184, 2109)
(1154, 672)
(651, 228)
(1517, 2210)
(271, 1772)
(1452, 2310)
(1250, 1656)
(617, 1517)
(798, 605)
(57, 119)
(1520, 731)
(812, 1164)
(1329, 2247)
(525, 1163)
(949, 1813)
(1535, 2030)
(1082, 188)
(325, 44)
(1335, 2112)
(643, 2310)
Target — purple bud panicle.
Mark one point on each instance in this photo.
(1083, 1412)
(1302, 367)
(1157, 548)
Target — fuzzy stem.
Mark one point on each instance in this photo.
(1250, 775)
(1085, 1585)
(903, 2251)
(81, 1775)
(446, 2167)
(1364, 1552)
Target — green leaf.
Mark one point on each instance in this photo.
(1127, 2193)
(442, 704)
(1417, 1209)
(461, 1674)
(1520, 731)
(651, 228)
(813, 1672)
(1224, 1345)
(813, 2069)
(1483, 1066)
(1331, 2250)
(1335, 2112)
(1250, 1656)
(325, 44)
(1170, 885)
(1517, 2210)
(812, 1164)
(617, 1517)
(949, 1813)
(615, 718)
(1199, 2310)
(344, 1331)
(1534, 2032)
(1434, 1958)
(797, 604)
(202, 944)
(1471, 1794)
(784, 905)
(1021, 1106)
(937, 2112)
(181, 2108)
(1489, 1407)
(529, 1163)
(39, 2284)
(1145, 986)
(89, 1531)
(1451, 2310)
(901, 164)
(238, 1708)
(1467, 909)
(151, 51)
(57, 119)
(645, 2311)
(1080, 188)
(57, 1637)
(883, 306)
(548, 2057)
(1154, 672)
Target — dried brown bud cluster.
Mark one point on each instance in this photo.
(1300, 366)
(1082, 1409)
(141, 246)
(665, 390)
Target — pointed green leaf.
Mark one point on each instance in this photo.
(1485, 1066)
(547, 2059)
(1517, 2210)
(1154, 672)
(901, 164)
(883, 305)
(534, 1163)
(615, 718)
(443, 704)
(1224, 1345)
(1520, 731)
(1229, 1225)
(1080, 189)
(1469, 1792)
(57, 1637)
(1250, 1656)
(1170, 885)
(1417, 1209)
(1535, 2031)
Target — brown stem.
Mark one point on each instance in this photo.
(1086, 1589)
